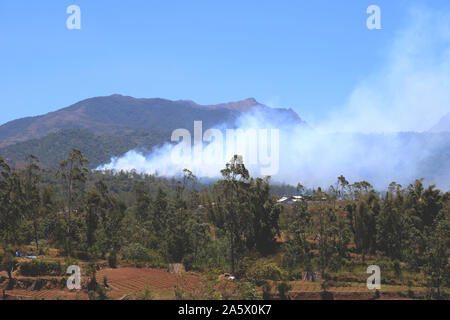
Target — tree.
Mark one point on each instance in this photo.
(437, 255)
(333, 238)
(143, 203)
(300, 188)
(389, 230)
(360, 188)
(5, 176)
(243, 208)
(342, 185)
(232, 204)
(52, 225)
(283, 289)
(430, 205)
(110, 213)
(187, 185)
(297, 248)
(364, 227)
(93, 208)
(11, 204)
(32, 200)
(198, 236)
(162, 212)
(266, 213)
(8, 263)
(73, 175)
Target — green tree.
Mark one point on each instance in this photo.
(437, 255)
(266, 212)
(73, 175)
(11, 204)
(364, 226)
(231, 202)
(333, 238)
(199, 236)
(389, 230)
(32, 199)
(297, 248)
(9, 264)
(93, 208)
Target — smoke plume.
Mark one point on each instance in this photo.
(366, 138)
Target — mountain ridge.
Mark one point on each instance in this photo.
(118, 114)
(443, 125)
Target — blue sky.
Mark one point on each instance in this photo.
(308, 55)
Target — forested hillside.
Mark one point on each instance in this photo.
(235, 225)
(98, 148)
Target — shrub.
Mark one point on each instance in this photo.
(283, 288)
(82, 255)
(92, 295)
(397, 269)
(36, 268)
(377, 294)
(137, 253)
(267, 291)
(101, 294)
(69, 261)
(180, 292)
(8, 263)
(248, 291)
(296, 275)
(146, 294)
(112, 259)
(263, 271)
(105, 282)
(325, 285)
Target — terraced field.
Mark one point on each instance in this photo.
(350, 290)
(123, 283)
(47, 294)
(126, 282)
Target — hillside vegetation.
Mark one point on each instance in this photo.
(235, 225)
(98, 148)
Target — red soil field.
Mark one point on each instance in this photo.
(123, 283)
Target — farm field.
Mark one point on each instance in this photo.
(124, 283)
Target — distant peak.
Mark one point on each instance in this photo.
(241, 105)
(250, 100)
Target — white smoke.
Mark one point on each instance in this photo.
(411, 93)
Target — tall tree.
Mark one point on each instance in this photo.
(32, 200)
(232, 205)
(364, 228)
(437, 256)
(93, 211)
(389, 230)
(5, 176)
(297, 248)
(73, 174)
(265, 217)
(11, 204)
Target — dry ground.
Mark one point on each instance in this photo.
(123, 283)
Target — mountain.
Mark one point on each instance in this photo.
(98, 149)
(103, 127)
(117, 115)
(443, 125)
